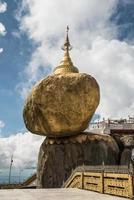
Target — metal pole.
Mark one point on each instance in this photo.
(19, 175)
(10, 169)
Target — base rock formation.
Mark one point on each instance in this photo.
(58, 157)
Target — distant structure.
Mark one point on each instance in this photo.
(110, 126)
(29, 183)
(122, 130)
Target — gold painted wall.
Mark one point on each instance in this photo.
(119, 184)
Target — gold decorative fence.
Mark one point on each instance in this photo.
(119, 182)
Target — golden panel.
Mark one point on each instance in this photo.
(92, 174)
(117, 184)
(93, 181)
(115, 175)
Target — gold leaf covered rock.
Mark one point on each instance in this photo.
(64, 103)
(61, 105)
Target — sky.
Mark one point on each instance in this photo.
(31, 34)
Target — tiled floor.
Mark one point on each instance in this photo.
(54, 194)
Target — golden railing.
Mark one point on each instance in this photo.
(117, 181)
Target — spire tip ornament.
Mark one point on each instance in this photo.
(67, 46)
(66, 64)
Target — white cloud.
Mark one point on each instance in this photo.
(45, 24)
(2, 124)
(24, 147)
(97, 51)
(16, 34)
(3, 7)
(2, 30)
(1, 50)
(111, 63)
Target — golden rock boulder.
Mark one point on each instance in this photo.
(64, 103)
(61, 105)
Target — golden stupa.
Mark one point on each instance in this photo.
(66, 64)
(63, 103)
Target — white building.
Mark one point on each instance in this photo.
(110, 126)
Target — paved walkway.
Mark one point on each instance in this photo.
(54, 194)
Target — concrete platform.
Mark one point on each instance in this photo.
(54, 194)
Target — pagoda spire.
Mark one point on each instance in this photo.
(66, 46)
(66, 64)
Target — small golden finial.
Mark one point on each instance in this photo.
(66, 65)
(66, 46)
